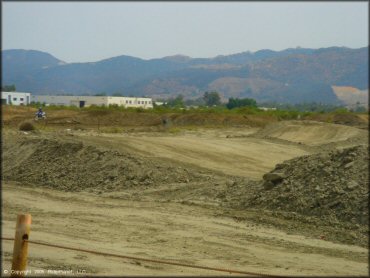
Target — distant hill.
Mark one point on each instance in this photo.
(17, 62)
(290, 76)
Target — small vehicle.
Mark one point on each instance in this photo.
(40, 115)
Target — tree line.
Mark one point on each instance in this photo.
(210, 99)
(213, 99)
(8, 88)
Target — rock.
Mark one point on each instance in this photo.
(268, 185)
(274, 177)
(230, 182)
(352, 184)
(349, 165)
(347, 159)
(281, 166)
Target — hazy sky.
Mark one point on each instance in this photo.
(91, 31)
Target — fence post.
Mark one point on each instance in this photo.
(20, 249)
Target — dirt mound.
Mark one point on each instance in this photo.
(331, 185)
(310, 133)
(72, 166)
(349, 119)
(26, 126)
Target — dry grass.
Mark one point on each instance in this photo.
(115, 120)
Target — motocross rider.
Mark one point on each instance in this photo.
(40, 112)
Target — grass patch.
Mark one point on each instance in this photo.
(175, 130)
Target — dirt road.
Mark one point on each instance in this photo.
(167, 231)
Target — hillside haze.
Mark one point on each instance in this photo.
(288, 76)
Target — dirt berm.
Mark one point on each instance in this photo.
(330, 185)
(70, 165)
(73, 166)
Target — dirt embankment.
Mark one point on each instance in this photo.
(329, 187)
(70, 165)
(332, 185)
(81, 119)
(348, 119)
(313, 133)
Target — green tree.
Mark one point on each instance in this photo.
(101, 94)
(118, 94)
(195, 102)
(212, 98)
(8, 88)
(175, 102)
(236, 102)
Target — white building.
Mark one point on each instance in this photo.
(266, 108)
(15, 98)
(85, 101)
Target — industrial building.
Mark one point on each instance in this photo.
(85, 101)
(15, 98)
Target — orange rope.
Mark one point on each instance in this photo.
(147, 260)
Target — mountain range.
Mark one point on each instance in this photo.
(289, 76)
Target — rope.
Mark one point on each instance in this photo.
(146, 260)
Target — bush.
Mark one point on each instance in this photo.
(26, 126)
(236, 102)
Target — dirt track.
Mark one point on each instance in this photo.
(182, 221)
(235, 151)
(247, 157)
(311, 133)
(167, 231)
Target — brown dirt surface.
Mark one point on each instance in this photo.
(313, 133)
(235, 156)
(171, 231)
(349, 119)
(72, 166)
(191, 195)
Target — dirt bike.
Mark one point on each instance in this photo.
(40, 116)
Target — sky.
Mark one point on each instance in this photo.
(92, 31)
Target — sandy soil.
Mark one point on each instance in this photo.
(247, 157)
(312, 133)
(171, 229)
(168, 231)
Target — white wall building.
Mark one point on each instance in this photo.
(15, 98)
(266, 108)
(85, 101)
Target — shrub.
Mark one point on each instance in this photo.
(236, 102)
(26, 126)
